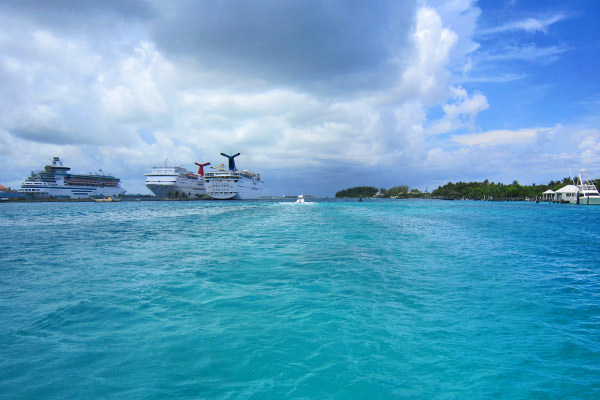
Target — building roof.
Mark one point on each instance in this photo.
(549, 191)
(568, 189)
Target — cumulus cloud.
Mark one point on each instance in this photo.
(129, 91)
(589, 149)
(287, 84)
(460, 111)
(427, 74)
(528, 155)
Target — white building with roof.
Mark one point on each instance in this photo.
(567, 194)
(549, 195)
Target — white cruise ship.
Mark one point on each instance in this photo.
(55, 181)
(176, 182)
(225, 184)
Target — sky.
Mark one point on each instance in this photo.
(317, 96)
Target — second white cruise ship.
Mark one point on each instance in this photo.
(225, 184)
(56, 181)
(176, 182)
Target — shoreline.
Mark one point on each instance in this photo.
(86, 200)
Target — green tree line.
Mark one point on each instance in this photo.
(485, 190)
(370, 191)
(358, 191)
(490, 190)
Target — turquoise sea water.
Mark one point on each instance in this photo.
(269, 300)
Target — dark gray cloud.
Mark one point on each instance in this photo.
(76, 14)
(337, 176)
(48, 135)
(339, 43)
(328, 45)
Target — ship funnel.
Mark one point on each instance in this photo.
(201, 168)
(231, 160)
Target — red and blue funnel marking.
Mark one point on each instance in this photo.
(231, 160)
(201, 168)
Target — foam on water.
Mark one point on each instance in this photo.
(379, 299)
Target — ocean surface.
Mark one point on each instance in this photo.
(273, 300)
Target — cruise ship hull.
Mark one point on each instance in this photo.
(234, 189)
(166, 190)
(70, 192)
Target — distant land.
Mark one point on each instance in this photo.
(485, 190)
(462, 190)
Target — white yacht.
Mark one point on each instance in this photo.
(56, 181)
(176, 182)
(587, 192)
(225, 184)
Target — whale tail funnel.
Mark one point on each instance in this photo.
(231, 160)
(201, 168)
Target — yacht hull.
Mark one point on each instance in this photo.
(591, 200)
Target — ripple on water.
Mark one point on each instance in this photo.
(378, 299)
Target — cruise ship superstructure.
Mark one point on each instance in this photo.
(225, 184)
(56, 181)
(176, 182)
